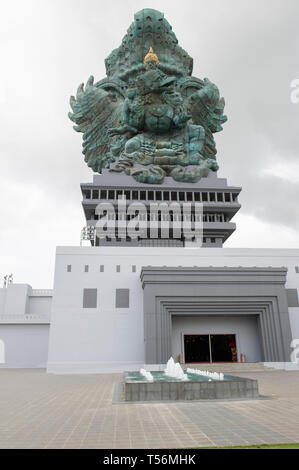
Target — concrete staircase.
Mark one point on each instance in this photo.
(233, 367)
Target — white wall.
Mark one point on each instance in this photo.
(16, 299)
(20, 300)
(25, 345)
(245, 329)
(95, 339)
(2, 351)
(294, 320)
(40, 305)
(106, 338)
(24, 325)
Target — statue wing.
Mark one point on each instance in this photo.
(96, 109)
(206, 107)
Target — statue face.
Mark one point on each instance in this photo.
(151, 65)
(173, 97)
(149, 81)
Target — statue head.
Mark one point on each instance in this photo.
(149, 32)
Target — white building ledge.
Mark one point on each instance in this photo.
(24, 319)
(41, 293)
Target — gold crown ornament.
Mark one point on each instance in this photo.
(151, 57)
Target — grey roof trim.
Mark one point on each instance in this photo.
(212, 275)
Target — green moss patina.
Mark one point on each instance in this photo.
(149, 117)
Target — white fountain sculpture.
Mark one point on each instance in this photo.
(175, 370)
(206, 373)
(147, 375)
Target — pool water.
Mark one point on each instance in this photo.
(161, 377)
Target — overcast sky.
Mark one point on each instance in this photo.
(249, 48)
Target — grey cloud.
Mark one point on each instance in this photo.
(248, 48)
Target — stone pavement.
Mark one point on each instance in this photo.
(40, 410)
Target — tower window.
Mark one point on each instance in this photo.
(118, 268)
(86, 268)
(69, 268)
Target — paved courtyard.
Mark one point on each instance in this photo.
(39, 410)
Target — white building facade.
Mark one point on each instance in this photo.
(98, 317)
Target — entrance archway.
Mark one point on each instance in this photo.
(222, 291)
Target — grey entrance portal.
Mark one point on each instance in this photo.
(215, 291)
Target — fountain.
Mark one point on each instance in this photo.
(194, 384)
(147, 375)
(206, 373)
(175, 370)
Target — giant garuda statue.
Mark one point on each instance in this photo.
(149, 117)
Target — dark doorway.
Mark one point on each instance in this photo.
(210, 348)
(223, 348)
(197, 348)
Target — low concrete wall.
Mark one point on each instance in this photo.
(159, 391)
(25, 345)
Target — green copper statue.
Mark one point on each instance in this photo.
(149, 118)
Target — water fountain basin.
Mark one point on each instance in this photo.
(196, 387)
